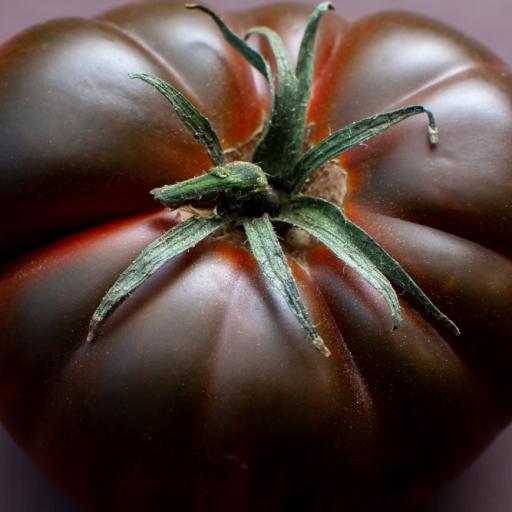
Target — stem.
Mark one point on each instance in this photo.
(229, 181)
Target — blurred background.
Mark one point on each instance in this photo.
(486, 486)
(489, 21)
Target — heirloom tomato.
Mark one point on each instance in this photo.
(202, 392)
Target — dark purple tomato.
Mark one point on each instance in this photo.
(202, 391)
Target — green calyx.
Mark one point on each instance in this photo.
(257, 194)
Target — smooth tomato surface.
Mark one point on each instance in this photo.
(202, 392)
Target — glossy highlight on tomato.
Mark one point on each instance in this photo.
(202, 392)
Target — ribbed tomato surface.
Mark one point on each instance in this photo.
(202, 392)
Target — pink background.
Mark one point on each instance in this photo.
(487, 485)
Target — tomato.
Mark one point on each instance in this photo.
(202, 392)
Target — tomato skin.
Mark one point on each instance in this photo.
(202, 391)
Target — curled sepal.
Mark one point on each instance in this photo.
(232, 180)
(197, 123)
(333, 228)
(353, 135)
(250, 54)
(304, 69)
(272, 262)
(175, 241)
